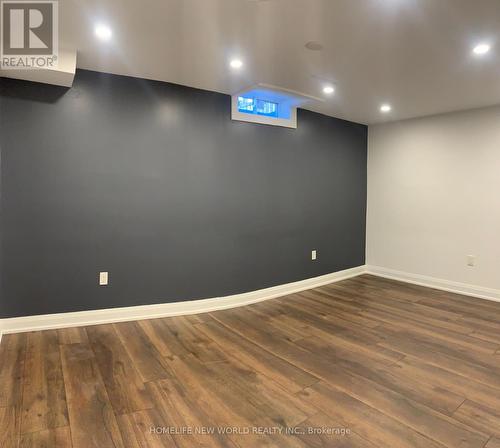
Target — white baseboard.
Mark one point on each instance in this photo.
(436, 283)
(94, 317)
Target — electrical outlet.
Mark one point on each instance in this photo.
(313, 255)
(471, 260)
(103, 278)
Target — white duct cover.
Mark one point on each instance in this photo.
(63, 75)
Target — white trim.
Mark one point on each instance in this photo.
(83, 318)
(303, 97)
(436, 283)
(95, 317)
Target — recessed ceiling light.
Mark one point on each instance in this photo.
(385, 108)
(103, 32)
(482, 48)
(236, 63)
(328, 90)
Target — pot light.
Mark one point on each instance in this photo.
(328, 90)
(103, 32)
(481, 49)
(385, 108)
(236, 63)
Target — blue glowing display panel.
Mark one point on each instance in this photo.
(246, 105)
(267, 108)
(258, 106)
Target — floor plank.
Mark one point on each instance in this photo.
(12, 369)
(180, 409)
(76, 335)
(449, 358)
(139, 431)
(124, 386)
(421, 372)
(480, 417)
(284, 373)
(44, 397)
(12, 359)
(147, 360)
(9, 427)
(493, 443)
(92, 420)
(320, 432)
(221, 398)
(369, 423)
(48, 438)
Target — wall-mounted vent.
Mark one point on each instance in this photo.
(264, 104)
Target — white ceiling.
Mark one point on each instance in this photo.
(414, 54)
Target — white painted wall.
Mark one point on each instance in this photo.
(434, 196)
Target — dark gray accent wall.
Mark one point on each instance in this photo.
(154, 183)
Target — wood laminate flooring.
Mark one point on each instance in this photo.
(366, 362)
